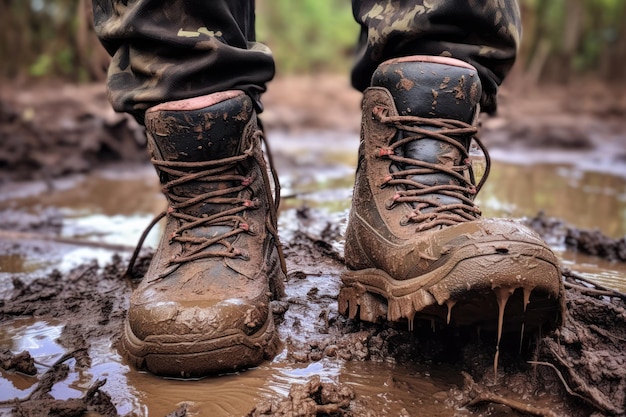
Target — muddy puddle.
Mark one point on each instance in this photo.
(78, 218)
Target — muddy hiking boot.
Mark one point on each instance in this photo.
(416, 246)
(204, 305)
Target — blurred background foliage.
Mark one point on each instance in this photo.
(562, 38)
(308, 35)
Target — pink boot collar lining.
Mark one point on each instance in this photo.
(433, 59)
(196, 103)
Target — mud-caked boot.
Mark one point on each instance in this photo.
(204, 305)
(416, 246)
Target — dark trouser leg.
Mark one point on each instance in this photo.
(483, 33)
(165, 51)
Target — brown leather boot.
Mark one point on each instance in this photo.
(204, 304)
(416, 246)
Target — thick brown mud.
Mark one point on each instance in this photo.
(65, 242)
(328, 366)
(73, 317)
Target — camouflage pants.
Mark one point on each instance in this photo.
(178, 49)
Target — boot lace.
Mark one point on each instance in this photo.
(218, 171)
(429, 213)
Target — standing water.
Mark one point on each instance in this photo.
(106, 212)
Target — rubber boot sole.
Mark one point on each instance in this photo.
(471, 291)
(188, 356)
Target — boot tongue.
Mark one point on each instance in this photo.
(209, 133)
(431, 90)
(204, 134)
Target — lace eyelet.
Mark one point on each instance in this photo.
(385, 152)
(253, 204)
(378, 112)
(392, 202)
(386, 181)
(247, 228)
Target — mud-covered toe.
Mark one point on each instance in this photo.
(512, 290)
(173, 339)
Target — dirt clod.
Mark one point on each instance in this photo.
(21, 362)
(314, 398)
(594, 242)
(590, 242)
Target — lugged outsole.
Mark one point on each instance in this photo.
(469, 294)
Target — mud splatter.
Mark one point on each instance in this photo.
(311, 399)
(21, 362)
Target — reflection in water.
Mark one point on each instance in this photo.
(588, 200)
(112, 208)
(226, 395)
(19, 263)
(107, 363)
(385, 388)
(390, 388)
(38, 338)
(605, 273)
(117, 229)
(125, 192)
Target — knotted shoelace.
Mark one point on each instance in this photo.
(429, 213)
(218, 171)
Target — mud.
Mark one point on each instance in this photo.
(310, 399)
(39, 403)
(21, 362)
(594, 242)
(60, 321)
(575, 371)
(590, 242)
(48, 132)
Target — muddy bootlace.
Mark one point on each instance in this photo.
(214, 172)
(427, 212)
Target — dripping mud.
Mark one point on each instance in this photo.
(65, 242)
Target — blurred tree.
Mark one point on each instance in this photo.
(308, 35)
(566, 37)
(49, 38)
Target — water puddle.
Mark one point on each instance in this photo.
(111, 208)
(91, 216)
(585, 199)
(36, 336)
(388, 387)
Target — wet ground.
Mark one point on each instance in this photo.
(65, 242)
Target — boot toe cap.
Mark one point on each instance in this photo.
(192, 320)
